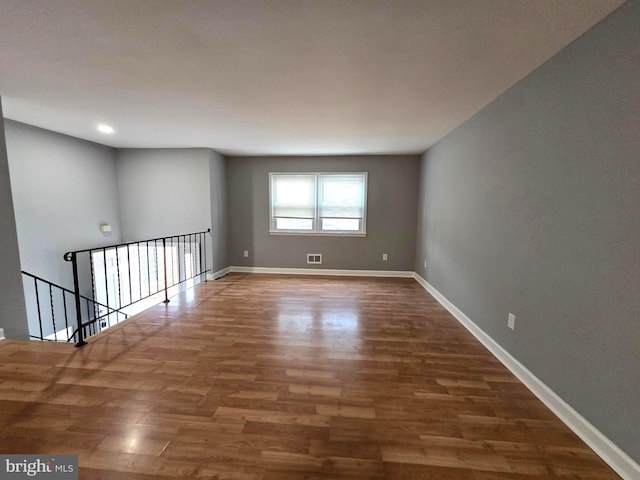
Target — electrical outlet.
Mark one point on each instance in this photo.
(314, 258)
(246, 253)
(385, 257)
(425, 264)
(511, 321)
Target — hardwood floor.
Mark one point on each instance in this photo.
(281, 378)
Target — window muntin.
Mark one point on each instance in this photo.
(318, 203)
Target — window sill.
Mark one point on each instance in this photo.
(318, 234)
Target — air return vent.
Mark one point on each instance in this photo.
(314, 258)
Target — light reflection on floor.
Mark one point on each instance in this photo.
(337, 328)
(346, 320)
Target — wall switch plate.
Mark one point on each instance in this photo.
(425, 264)
(511, 321)
(385, 257)
(246, 253)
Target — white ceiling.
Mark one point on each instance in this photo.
(274, 76)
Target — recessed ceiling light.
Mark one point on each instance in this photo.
(108, 129)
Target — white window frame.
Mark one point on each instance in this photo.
(316, 220)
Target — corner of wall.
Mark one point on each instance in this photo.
(13, 315)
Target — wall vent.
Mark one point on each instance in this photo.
(314, 258)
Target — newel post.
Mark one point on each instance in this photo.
(72, 257)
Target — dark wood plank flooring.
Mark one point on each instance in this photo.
(268, 377)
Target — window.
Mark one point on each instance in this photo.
(318, 203)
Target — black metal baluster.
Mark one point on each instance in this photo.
(139, 270)
(106, 279)
(175, 247)
(53, 313)
(76, 290)
(178, 255)
(155, 253)
(89, 318)
(204, 236)
(93, 283)
(175, 258)
(200, 255)
(190, 257)
(96, 326)
(91, 322)
(129, 272)
(66, 315)
(196, 257)
(148, 272)
(118, 270)
(166, 285)
(173, 270)
(187, 268)
(35, 282)
(184, 257)
(199, 252)
(179, 258)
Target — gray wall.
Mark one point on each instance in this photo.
(12, 309)
(63, 189)
(531, 207)
(164, 192)
(391, 214)
(219, 210)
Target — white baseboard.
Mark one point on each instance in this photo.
(323, 271)
(218, 274)
(617, 459)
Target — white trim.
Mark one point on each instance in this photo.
(323, 271)
(218, 274)
(617, 459)
(312, 257)
(316, 227)
(316, 234)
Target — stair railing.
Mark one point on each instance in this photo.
(55, 304)
(118, 276)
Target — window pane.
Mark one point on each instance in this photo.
(318, 203)
(294, 196)
(341, 195)
(293, 223)
(341, 224)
